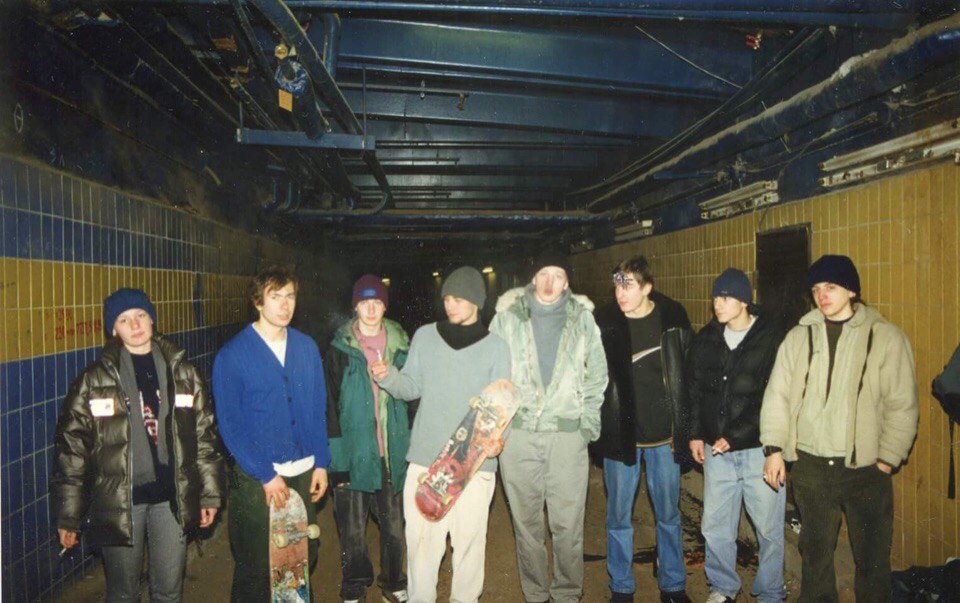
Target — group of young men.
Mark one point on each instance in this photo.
(837, 395)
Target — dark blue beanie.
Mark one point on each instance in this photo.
(836, 269)
(733, 283)
(122, 300)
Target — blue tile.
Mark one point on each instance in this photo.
(111, 246)
(46, 229)
(46, 199)
(36, 237)
(5, 388)
(56, 194)
(8, 186)
(50, 377)
(46, 557)
(23, 234)
(28, 481)
(31, 575)
(26, 431)
(43, 482)
(95, 245)
(53, 411)
(20, 175)
(16, 492)
(68, 244)
(16, 534)
(40, 427)
(12, 439)
(5, 499)
(8, 247)
(88, 243)
(63, 379)
(33, 188)
(68, 186)
(39, 379)
(95, 203)
(58, 239)
(108, 207)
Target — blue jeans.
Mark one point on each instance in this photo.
(663, 482)
(730, 478)
(155, 525)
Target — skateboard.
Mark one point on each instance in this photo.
(289, 575)
(442, 483)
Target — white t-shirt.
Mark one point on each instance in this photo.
(734, 338)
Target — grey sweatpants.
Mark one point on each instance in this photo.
(551, 469)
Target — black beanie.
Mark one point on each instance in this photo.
(836, 269)
(552, 257)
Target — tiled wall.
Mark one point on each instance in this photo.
(902, 232)
(66, 244)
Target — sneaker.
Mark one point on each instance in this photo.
(616, 597)
(718, 597)
(674, 597)
(397, 596)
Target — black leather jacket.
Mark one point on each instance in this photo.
(725, 387)
(618, 438)
(91, 490)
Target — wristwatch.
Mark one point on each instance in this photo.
(768, 450)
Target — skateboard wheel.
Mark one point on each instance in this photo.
(280, 540)
(474, 402)
(446, 499)
(422, 478)
(313, 531)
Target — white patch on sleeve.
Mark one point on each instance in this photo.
(102, 407)
(184, 401)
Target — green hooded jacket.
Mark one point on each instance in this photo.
(355, 455)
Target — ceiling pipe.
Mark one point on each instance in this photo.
(861, 13)
(859, 78)
(459, 217)
(283, 20)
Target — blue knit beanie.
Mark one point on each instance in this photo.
(836, 269)
(733, 283)
(122, 300)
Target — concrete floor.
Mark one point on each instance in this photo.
(209, 576)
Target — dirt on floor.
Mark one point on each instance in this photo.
(209, 576)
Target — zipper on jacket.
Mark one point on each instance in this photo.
(126, 400)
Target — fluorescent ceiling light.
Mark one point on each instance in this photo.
(488, 270)
(941, 141)
(742, 199)
(634, 230)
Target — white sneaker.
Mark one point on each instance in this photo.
(718, 597)
(397, 596)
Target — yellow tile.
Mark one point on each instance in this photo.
(48, 326)
(10, 338)
(23, 284)
(8, 292)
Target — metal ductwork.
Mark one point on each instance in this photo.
(857, 79)
(283, 20)
(413, 217)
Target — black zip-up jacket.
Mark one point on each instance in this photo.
(91, 490)
(725, 387)
(618, 438)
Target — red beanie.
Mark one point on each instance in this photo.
(369, 286)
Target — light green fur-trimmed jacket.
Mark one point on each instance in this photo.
(572, 400)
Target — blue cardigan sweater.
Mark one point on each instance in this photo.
(267, 412)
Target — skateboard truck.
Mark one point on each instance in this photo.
(312, 532)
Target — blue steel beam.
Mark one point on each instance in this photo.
(560, 57)
(886, 14)
(588, 115)
(283, 138)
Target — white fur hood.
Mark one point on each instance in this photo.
(510, 297)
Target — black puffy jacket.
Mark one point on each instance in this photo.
(725, 387)
(91, 490)
(618, 438)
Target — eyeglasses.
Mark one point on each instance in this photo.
(623, 280)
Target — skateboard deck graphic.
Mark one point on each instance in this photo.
(289, 575)
(443, 482)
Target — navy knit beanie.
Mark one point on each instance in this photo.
(122, 300)
(836, 269)
(733, 283)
